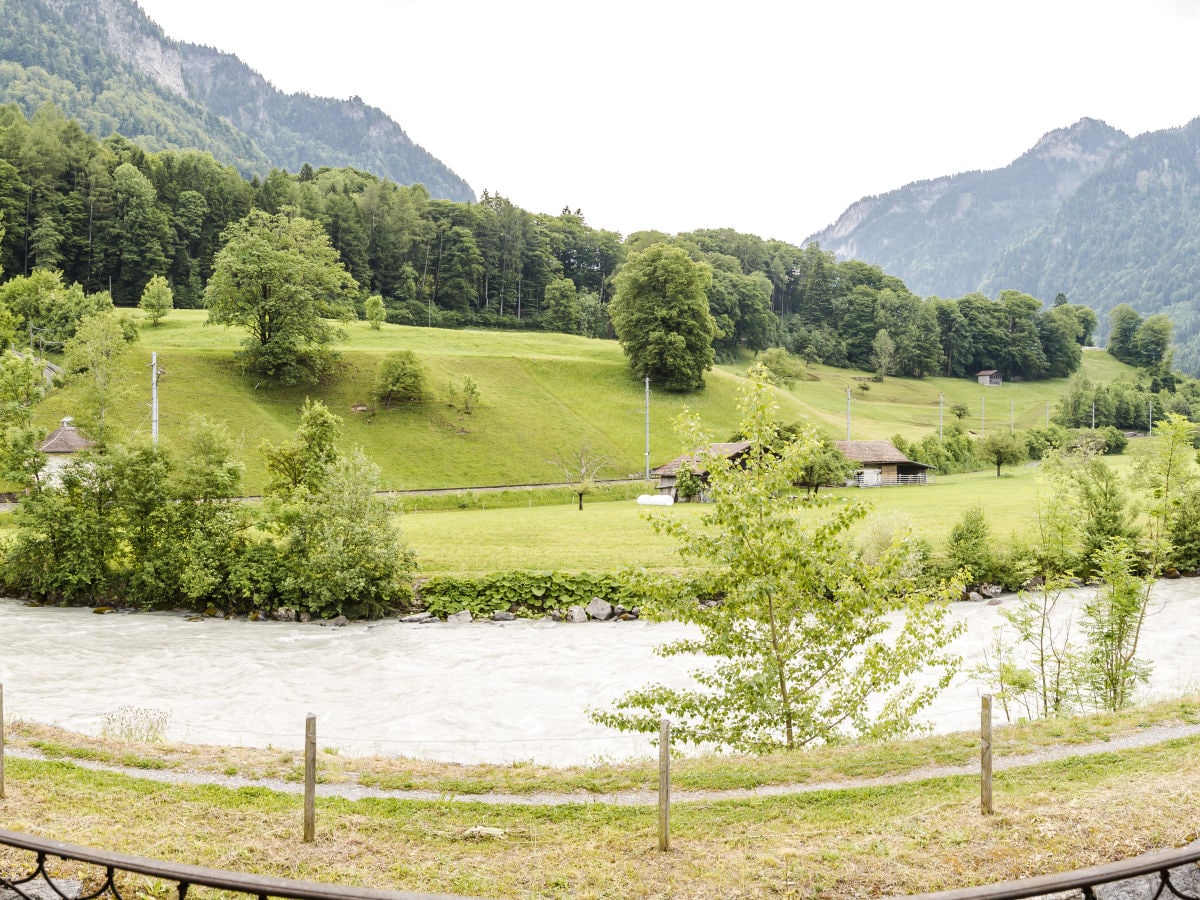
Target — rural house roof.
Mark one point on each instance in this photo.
(66, 439)
(724, 451)
(988, 372)
(875, 453)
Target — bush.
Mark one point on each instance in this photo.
(400, 378)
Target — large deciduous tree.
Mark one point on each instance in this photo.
(811, 642)
(661, 317)
(279, 278)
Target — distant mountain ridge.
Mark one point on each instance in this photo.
(1088, 211)
(105, 63)
(942, 235)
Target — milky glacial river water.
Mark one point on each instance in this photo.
(484, 691)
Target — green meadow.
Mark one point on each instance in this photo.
(542, 396)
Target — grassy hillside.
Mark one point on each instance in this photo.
(542, 396)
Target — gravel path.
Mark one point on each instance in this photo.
(1144, 738)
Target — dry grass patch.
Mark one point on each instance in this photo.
(849, 843)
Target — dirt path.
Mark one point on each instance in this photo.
(350, 791)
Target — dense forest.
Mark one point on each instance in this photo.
(109, 216)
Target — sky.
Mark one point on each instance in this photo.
(766, 117)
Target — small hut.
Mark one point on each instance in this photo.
(668, 473)
(989, 378)
(60, 445)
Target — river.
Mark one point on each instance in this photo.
(478, 692)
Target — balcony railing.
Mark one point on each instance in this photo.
(97, 874)
(1160, 875)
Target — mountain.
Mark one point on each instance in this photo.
(104, 63)
(941, 236)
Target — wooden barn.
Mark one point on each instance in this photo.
(667, 474)
(882, 465)
(989, 378)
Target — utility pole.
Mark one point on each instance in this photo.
(154, 398)
(647, 429)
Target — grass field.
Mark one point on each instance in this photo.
(542, 396)
(857, 841)
(611, 535)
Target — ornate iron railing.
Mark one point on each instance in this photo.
(103, 877)
(1159, 875)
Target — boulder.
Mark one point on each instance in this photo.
(994, 601)
(304, 617)
(463, 615)
(975, 597)
(284, 614)
(417, 617)
(576, 614)
(46, 889)
(555, 615)
(503, 616)
(598, 609)
(991, 591)
(340, 622)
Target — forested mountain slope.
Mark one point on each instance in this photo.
(941, 236)
(1131, 234)
(104, 63)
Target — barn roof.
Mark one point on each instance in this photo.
(66, 439)
(725, 450)
(875, 452)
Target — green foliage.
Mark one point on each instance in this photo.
(339, 548)
(93, 356)
(401, 378)
(688, 485)
(1000, 449)
(781, 367)
(524, 593)
(1039, 670)
(970, 546)
(279, 279)
(376, 312)
(810, 643)
(661, 317)
(1112, 621)
(157, 299)
(303, 462)
(560, 307)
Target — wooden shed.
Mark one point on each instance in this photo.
(667, 474)
(989, 378)
(882, 465)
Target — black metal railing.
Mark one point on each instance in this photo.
(98, 874)
(1160, 875)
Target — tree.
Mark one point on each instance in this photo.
(376, 311)
(883, 354)
(157, 300)
(93, 357)
(279, 278)
(1002, 449)
(400, 377)
(580, 469)
(560, 307)
(1124, 322)
(302, 463)
(969, 547)
(661, 317)
(810, 642)
(1112, 621)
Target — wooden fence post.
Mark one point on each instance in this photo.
(664, 784)
(985, 755)
(310, 778)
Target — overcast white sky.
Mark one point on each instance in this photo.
(767, 117)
